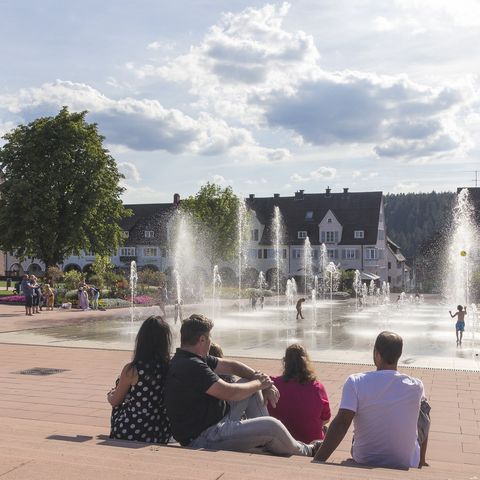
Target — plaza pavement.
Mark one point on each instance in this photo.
(56, 427)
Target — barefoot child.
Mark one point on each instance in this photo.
(460, 325)
(299, 308)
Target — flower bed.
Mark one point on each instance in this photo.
(13, 300)
(113, 303)
(143, 300)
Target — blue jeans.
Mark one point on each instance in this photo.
(257, 430)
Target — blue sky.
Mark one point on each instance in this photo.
(266, 97)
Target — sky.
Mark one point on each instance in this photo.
(265, 97)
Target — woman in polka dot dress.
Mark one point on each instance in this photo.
(138, 397)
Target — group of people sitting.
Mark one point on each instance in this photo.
(196, 398)
(37, 295)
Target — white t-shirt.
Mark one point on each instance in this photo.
(386, 405)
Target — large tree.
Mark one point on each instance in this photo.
(215, 211)
(60, 192)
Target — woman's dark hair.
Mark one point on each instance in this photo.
(153, 342)
(297, 365)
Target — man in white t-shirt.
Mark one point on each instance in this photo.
(384, 406)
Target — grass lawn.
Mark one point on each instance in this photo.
(4, 293)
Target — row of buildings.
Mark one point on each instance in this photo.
(351, 225)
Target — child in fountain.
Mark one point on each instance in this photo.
(138, 397)
(178, 310)
(299, 308)
(460, 325)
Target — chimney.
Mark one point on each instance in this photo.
(327, 191)
(299, 195)
(176, 199)
(276, 195)
(251, 196)
(345, 190)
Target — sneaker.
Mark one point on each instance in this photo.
(314, 447)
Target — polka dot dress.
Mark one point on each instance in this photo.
(142, 415)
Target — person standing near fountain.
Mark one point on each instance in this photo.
(299, 308)
(460, 325)
(163, 298)
(138, 397)
(206, 412)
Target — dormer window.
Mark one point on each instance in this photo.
(359, 234)
(301, 234)
(309, 215)
(126, 234)
(329, 220)
(149, 234)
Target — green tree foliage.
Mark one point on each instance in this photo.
(148, 277)
(61, 192)
(72, 279)
(215, 211)
(414, 219)
(54, 275)
(100, 267)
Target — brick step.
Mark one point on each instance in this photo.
(46, 450)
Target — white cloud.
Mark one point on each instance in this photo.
(221, 180)
(405, 187)
(250, 68)
(321, 173)
(143, 124)
(130, 171)
(356, 173)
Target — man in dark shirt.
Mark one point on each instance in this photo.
(207, 412)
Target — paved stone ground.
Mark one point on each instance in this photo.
(57, 426)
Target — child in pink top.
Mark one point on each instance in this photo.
(303, 406)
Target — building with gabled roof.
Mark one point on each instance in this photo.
(350, 224)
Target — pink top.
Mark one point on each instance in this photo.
(303, 409)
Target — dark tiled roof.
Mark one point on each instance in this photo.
(149, 216)
(355, 211)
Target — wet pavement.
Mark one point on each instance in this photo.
(332, 332)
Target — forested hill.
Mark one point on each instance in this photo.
(414, 218)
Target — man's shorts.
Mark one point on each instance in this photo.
(29, 301)
(460, 326)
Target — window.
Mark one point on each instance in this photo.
(164, 252)
(315, 254)
(389, 265)
(259, 253)
(284, 252)
(329, 220)
(296, 253)
(126, 234)
(309, 215)
(254, 234)
(359, 234)
(150, 252)
(350, 254)
(329, 237)
(149, 234)
(371, 254)
(89, 254)
(265, 253)
(302, 234)
(127, 252)
(332, 254)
